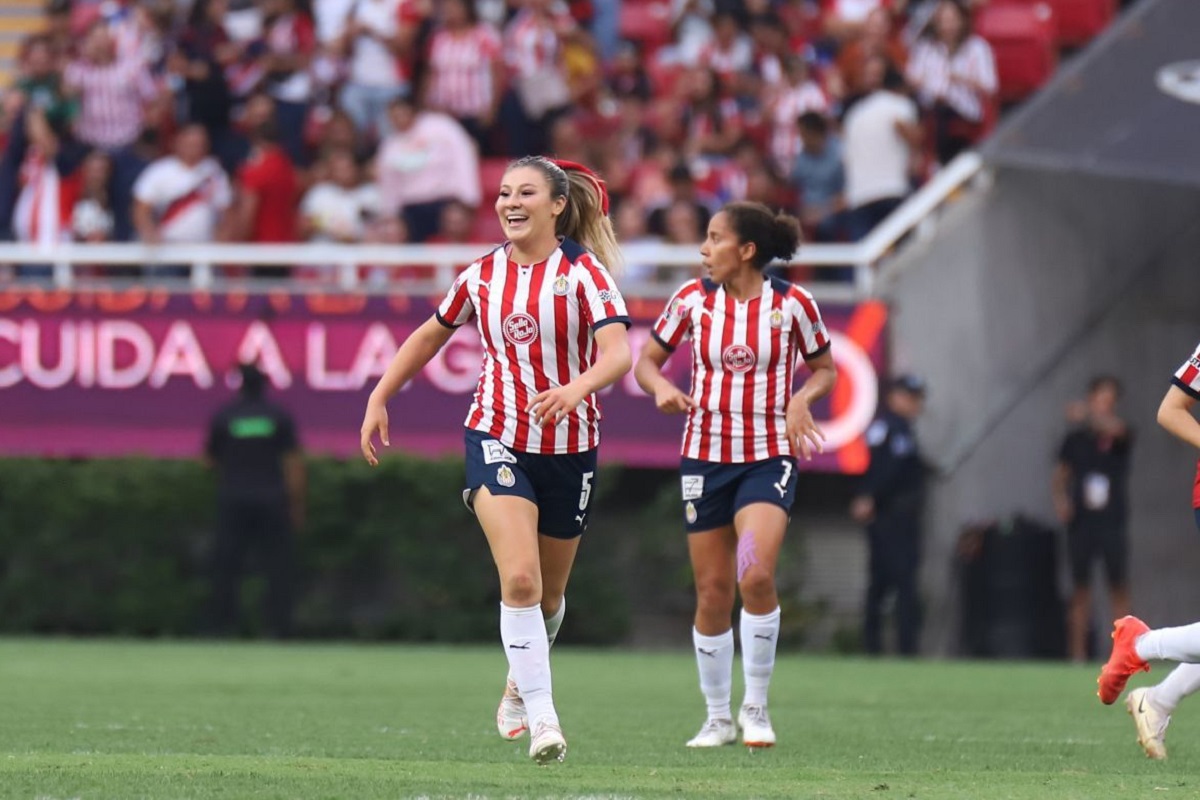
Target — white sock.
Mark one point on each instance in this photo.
(1183, 681)
(1171, 644)
(523, 633)
(552, 625)
(760, 635)
(714, 657)
(555, 622)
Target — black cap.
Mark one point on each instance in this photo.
(908, 382)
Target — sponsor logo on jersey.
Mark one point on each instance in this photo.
(608, 295)
(738, 358)
(505, 476)
(693, 486)
(495, 452)
(561, 285)
(520, 328)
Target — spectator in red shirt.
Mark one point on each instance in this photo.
(265, 210)
(878, 39)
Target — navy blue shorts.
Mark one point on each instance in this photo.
(713, 492)
(559, 485)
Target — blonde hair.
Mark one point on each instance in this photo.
(583, 219)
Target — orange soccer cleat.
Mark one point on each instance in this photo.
(1124, 660)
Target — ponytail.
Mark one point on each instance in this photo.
(585, 219)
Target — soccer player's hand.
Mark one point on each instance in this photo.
(376, 419)
(673, 400)
(804, 434)
(553, 405)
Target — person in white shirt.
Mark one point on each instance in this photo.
(338, 208)
(377, 41)
(182, 197)
(954, 74)
(880, 133)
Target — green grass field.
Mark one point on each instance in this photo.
(131, 720)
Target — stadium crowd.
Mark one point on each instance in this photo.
(390, 121)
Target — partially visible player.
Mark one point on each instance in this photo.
(744, 428)
(1134, 644)
(554, 332)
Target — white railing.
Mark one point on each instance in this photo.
(342, 264)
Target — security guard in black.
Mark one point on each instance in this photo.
(890, 503)
(252, 445)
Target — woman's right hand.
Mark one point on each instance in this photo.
(376, 419)
(672, 400)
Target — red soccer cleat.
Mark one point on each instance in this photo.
(1124, 660)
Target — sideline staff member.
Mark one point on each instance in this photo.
(260, 500)
(890, 504)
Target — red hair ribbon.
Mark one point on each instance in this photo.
(596, 179)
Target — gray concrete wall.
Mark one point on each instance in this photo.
(1026, 291)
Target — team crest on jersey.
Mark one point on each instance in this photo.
(520, 328)
(505, 476)
(776, 318)
(689, 511)
(561, 285)
(738, 358)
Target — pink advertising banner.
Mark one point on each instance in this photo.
(140, 372)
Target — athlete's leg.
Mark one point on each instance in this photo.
(556, 556)
(760, 528)
(510, 524)
(712, 557)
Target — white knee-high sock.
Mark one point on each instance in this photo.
(553, 623)
(714, 657)
(523, 633)
(1184, 680)
(760, 635)
(1171, 644)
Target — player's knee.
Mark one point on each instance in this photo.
(714, 597)
(757, 584)
(522, 588)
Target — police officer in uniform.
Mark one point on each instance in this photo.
(252, 444)
(890, 504)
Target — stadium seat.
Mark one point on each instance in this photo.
(1023, 38)
(647, 22)
(1077, 22)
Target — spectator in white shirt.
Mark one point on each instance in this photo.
(339, 208)
(954, 74)
(880, 134)
(182, 197)
(426, 162)
(376, 42)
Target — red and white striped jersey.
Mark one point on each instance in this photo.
(743, 364)
(937, 74)
(111, 100)
(460, 71)
(536, 323)
(1187, 378)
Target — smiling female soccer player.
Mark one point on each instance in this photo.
(553, 328)
(744, 428)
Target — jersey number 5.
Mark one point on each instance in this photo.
(585, 493)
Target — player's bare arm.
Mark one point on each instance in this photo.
(1175, 413)
(668, 397)
(413, 355)
(803, 433)
(553, 405)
